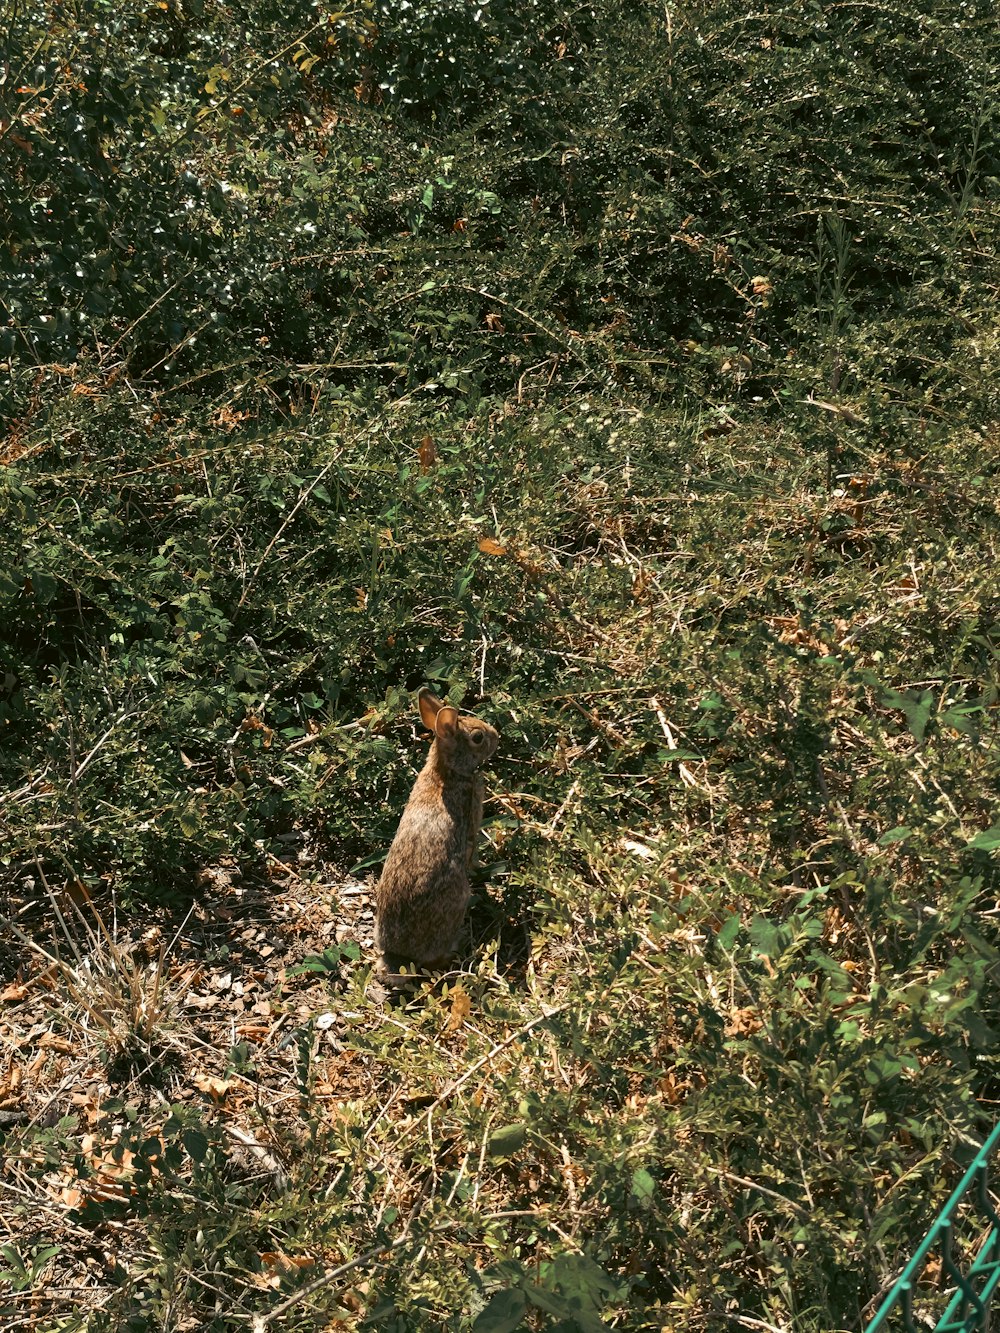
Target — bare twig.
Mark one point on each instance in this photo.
(755, 1185)
(261, 1322)
(474, 1069)
(266, 1159)
(277, 536)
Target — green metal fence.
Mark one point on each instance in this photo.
(968, 1311)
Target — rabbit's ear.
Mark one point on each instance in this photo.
(446, 722)
(430, 706)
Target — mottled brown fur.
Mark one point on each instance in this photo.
(424, 889)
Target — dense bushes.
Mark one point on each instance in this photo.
(636, 368)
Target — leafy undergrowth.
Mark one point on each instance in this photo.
(728, 1000)
(654, 416)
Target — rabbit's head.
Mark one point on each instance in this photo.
(464, 743)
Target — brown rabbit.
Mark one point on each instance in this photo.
(424, 889)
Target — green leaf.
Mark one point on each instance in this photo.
(329, 961)
(195, 1144)
(987, 841)
(503, 1142)
(189, 822)
(14, 1259)
(579, 1274)
(728, 931)
(643, 1186)
(504, 1313)
(766, 937)
(899, 834)
(549, 1301)
(916, 708)
(568, 1305)
(982, 946)
(918, 712)
(962, 717)
(375, 859)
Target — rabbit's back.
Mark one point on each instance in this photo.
(424, 887)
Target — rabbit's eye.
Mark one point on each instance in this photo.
(477, 738)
